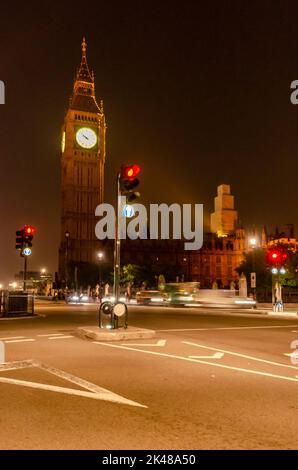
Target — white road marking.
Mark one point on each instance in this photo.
(213, 364)
(20, 340)
(293, 354)
(231, 328)
(16, 365)
(216, 355)
(52, 334)
(12, 337)
(160, 343)
(62, 337)
(107, 396)
(95, 392)
(245, 356)
(2, 352)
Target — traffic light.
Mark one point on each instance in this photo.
(129, 181)
(276, 256)
(24, 238)
(20, 239)
(28, 232)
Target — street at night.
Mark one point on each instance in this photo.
(148, 242)
(209, 380)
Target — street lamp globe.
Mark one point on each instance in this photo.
(100, 255)
(253, 242)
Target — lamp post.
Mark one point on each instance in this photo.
(67, 235)
(100, 258)
(253, 244)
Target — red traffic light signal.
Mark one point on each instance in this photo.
(130, 171)
(29, 230)
(276, 255)
(28, 235)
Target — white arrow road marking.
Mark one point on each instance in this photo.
(160, 343)
(245, 356)
(95, 392)
(216, 355)
(197, 361)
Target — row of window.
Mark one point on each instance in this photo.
(79, 117)
(82, 153)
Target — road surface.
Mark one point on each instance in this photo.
(209, 380)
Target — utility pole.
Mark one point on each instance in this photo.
(67, 235)
(117, 243)
(25, 273)
(126, 185)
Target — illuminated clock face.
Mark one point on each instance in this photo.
(86, 138)
(63, 142)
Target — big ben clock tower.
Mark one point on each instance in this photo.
(82, 172)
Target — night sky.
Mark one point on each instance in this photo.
(196, 92)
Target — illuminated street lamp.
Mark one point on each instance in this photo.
(252, 242)
(100, 258)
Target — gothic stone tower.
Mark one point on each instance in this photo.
(82, 172)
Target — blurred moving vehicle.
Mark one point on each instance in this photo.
(151, 297)
(181, 293)
(189, 294)
(224, 298)
(111, 298)
(77, 299)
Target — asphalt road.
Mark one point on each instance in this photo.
(209, 380)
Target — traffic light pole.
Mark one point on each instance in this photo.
(25, 274)
(117, 244)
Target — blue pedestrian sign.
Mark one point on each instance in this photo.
(128, 211)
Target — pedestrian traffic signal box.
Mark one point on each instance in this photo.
(129, 181)
(20, 239)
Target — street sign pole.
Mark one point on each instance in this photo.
(117, 244)
(25, 273)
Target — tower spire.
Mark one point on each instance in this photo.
(84, 88)
(84, 74)
(84, 47)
